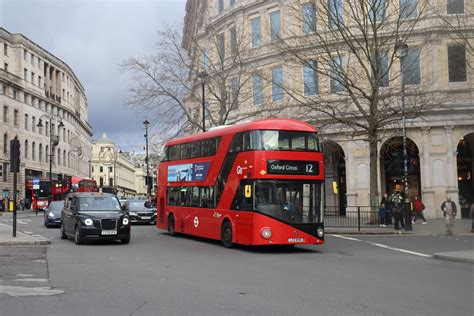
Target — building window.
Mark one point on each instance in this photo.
(257, 91)
(205, 59)
(15, 118)
(337, 74)
(26, 149)
(455, 6)
(221, 45)
(234, 87)
(46, 130)
(5, 49)
(220, 5)
(101, 169)
(5, 67)
(40, 152)
(408, 9)
(308, 18)
(275, 26)
(335, 12)
(25, 74)
(382, 65)
(233, 40)
(377, 9)
(32, 78)
(110, 169)
(5, 143)
(64, 157)
(277, 84)
(5, 114)
(256, 25)
(33, 60)
(33, 124)
(46, 154)
(101, 182)
(25, 54)
(457, 63)
(59, 157)
(310, 78)
(411, 67)
(33, 151)
(92, 169)
(40, 82)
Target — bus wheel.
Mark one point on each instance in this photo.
(226, 235)
(171, 229)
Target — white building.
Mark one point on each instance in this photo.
(36, 86)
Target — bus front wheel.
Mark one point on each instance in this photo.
(171, 229)
(226, 235)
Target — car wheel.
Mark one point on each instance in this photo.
(125, 241)
(77, 237)
(62, 231)
(171, 228)
(226, 235)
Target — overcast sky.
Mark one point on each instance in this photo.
(93, 37)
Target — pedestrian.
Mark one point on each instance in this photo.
(22, 204)
(449, 212)
(388, 213)
(396, 202)
(382, 214)
(1, 204)
(419, 207)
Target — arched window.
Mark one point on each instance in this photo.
(46, 154)
(64, 157)
(33, 151)
(5, 143)
(59, 157)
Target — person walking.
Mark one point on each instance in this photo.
(396, 202)
(449, 212)
(419, 207)
(382, 215)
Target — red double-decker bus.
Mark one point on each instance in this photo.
(39, 195)
(256, 183)
(83, 185)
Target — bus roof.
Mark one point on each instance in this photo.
(267, 124)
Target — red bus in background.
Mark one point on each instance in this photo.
(83, 185)
(256, 183)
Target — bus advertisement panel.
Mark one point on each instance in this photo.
(256, 183)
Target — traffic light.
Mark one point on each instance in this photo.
(15, 155)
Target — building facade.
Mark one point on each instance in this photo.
(279, 67)
(44, 106)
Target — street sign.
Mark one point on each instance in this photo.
(36, 186)
(36, 180)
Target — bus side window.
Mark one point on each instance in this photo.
(196, 149)
(174, 152)
(236, 145)
(246, 142)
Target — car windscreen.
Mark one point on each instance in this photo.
(56, 206)
(98, 204)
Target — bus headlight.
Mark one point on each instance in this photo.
(88, 222)
(125, 221)
(320, 232)
(266, 233)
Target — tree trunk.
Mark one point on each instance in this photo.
(373, 187)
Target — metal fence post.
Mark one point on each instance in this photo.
(358, 218)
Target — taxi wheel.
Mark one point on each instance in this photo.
(125, 241)
(226, 235)
(77, 237)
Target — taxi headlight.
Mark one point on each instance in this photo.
(266, 233)
(133, 213)
(50, 214)
(125, 221)
(88, 222)
(320, 232)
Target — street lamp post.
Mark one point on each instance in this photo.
(146, 123)
(51, 144)
(401, 49)
(202, 76)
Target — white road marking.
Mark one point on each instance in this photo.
(24, 275)
(31, 280)
(28, 291)
(386, 247)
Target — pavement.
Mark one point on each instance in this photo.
(434, 227)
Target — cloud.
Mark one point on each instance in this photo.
(93, 37)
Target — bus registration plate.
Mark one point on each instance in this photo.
(295, 239)
(109, 232)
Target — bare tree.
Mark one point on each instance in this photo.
(351, 46)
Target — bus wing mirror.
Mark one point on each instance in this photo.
(248, 191)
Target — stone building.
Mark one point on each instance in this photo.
(38, 87)
(438, 77)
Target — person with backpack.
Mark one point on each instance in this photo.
(419, 207)
(397, 208)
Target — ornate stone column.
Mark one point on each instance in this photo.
(427, 192)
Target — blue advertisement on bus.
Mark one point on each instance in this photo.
(188, 172)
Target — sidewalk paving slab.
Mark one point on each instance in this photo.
(21, 239)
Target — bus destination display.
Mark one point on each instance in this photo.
(309, 168)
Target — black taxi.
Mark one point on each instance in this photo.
(94, 216)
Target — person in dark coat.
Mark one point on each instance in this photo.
(388, 213)
(397, 208)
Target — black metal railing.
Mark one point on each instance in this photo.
(351, 217)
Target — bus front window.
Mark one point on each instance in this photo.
(289, 201)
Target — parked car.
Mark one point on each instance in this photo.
(94, 216)
(140, 211)
(52, 215)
